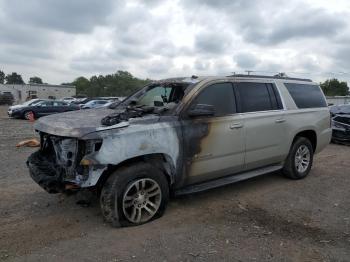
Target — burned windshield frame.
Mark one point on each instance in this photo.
(134, 98)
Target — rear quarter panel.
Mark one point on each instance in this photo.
(316, 119)
(298, 120)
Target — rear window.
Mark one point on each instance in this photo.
(306, 95)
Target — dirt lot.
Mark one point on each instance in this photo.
(269, 218)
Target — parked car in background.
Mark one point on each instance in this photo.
(42, 108)
(341, 129)
(94, 104)
(110, 103)
(180, 136)
(27, 103)
(6, 98)
(340, 124)
(68, 99)
(83, 101)
(340, 110)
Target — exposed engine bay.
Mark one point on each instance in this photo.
(71, 152)
(57, 163)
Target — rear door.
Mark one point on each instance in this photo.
(262, 112)
(213, 145)
(60, 106)
(44, 108)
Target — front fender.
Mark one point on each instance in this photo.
(137, 140)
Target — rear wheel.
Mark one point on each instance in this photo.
(29, 115)
(300, 158)
(134, 195)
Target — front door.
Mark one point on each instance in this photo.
(44, 108)
(214, 144)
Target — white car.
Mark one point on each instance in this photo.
(94, 104)
(68, 99)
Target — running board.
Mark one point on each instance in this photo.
(226, 180)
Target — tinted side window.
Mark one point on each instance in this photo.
(255, 97)
(46, 103)
(58, 103)
(220, 96)
(275, 96)
(306, 95)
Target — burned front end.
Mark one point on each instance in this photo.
(76, 148)
(58, 166)
(341, 129)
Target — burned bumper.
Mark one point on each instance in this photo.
(341, 135)
(57, 165)
(44, 173)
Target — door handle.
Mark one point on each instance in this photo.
(235, 126)
(281, 120)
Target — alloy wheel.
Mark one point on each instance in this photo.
(302, 158)
(141, 200)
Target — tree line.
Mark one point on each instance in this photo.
(16, 79)
(334, 87)
(123, 83)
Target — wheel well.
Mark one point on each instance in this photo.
(161, 161)
(26, 111)
(309, 134)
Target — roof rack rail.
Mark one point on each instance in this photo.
(271, 77)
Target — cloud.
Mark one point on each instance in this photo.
(61, 40)
(271, 22)
(202, 65)
(246, 60)
(295, 24)
(78, 16)
(157, 67)
(212, 42)
(342, 58)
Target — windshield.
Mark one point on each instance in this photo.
(158, 95)
(31, 102)
(39, 103)
(35, 102)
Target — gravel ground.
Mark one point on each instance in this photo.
(269, 218)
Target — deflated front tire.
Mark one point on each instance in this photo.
(134, 195)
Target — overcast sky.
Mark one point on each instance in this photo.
(60, 40)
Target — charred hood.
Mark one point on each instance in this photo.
(83, 122)
(72, 124)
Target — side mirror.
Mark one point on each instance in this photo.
(201, 110)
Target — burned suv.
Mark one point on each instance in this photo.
(180, 136)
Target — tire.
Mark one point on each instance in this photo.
(300, 158)
(120, 197)
(26, 115)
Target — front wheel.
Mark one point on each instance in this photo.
(28, 115)
(134, 195)
(300, 158)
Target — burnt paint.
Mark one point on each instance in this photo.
(193, 133)
(190, 132)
